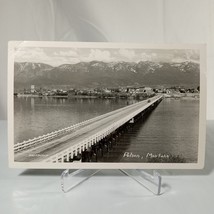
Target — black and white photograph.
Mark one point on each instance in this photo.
(106, 105)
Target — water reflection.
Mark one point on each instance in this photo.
(34, 116)
(171, 128)
(32, 103)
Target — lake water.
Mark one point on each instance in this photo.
(172, 128)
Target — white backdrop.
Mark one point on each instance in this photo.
(144, 21)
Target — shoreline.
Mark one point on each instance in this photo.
(166, 96)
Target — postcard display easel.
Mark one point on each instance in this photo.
(151, 182)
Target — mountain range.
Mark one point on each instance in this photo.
(97, 74)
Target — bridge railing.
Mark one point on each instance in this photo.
(18, 147)
(83, 145)
(44, 138)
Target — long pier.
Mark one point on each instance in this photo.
(65, 144)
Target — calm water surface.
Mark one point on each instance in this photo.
(38, 116)
(171, 128)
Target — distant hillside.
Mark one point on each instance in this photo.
(101, 74)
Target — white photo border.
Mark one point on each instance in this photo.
(98, 165)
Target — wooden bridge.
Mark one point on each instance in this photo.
(64, 144)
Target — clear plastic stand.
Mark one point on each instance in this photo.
(151, 182)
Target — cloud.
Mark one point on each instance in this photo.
(154, 54)
(70, 53)
(40, 55)
(97, 55)
(30, 54)
(193, 55)
(58, 56)
(145, 57)
(128, 54)
(186, 55)
(59, 60)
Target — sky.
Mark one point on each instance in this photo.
(56, 56)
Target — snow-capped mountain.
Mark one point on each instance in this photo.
(102, 74)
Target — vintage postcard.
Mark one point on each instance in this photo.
(106, 105)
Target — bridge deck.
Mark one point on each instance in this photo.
(77, 140)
